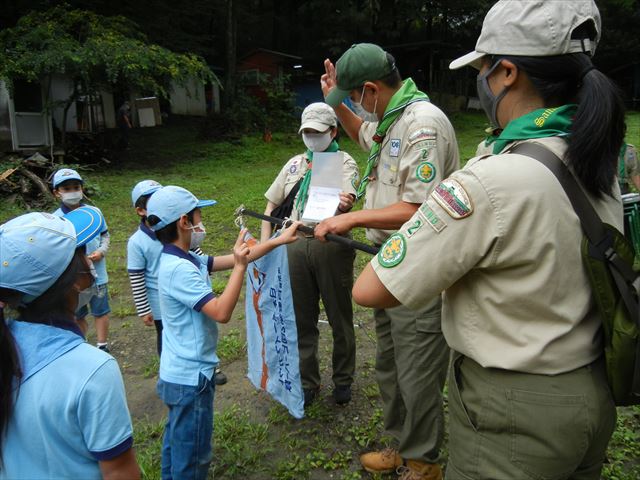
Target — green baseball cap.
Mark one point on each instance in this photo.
(361, 63)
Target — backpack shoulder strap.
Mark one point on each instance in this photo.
(626, 279)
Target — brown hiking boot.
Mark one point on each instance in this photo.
(384, 461)
(417, 470)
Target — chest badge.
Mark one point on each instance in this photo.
(394, 147)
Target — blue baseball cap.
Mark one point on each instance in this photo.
(88, 223)
(37, 248)
(65, 174)
(145, 187)
(171, 202)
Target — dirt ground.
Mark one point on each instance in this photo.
(328, 430)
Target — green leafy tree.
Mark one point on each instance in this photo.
(96, 52)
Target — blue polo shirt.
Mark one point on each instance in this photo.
(91, 246)
(71, 411)
(143, 256)
(189, 337)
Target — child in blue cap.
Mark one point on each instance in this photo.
(63, 411)
(190, 312)
(67, 186)
(143, 259)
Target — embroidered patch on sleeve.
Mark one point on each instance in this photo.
(422, 134)
(426, 172)
(394, 147)
(432, 218)
(424, 145)
(294, 166)
(392, 251)
(451, 196)
(415, 226)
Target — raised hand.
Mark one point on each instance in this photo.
(328, 80)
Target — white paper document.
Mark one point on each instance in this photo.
(325, 186)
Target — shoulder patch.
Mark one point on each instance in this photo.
(293, 168)
(432, 218)
(422, 134)
(426, 172)
(452, 196)
(392, 251)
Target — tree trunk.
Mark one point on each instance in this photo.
(230, 44)
(63, 127)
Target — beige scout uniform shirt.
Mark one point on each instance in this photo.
(502, 239)
(419, 150)
(295, 169)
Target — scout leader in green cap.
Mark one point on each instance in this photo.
(528, 396)
(412, 146)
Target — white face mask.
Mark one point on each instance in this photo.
(360, 110)
(71, 198)
(198, 232)
(317, 142)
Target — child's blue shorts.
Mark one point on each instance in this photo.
(99, 304)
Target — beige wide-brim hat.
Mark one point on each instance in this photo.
(318, 116)
(534, 28)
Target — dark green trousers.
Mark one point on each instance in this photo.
(511, 425)
(411, 368)
(323, 271)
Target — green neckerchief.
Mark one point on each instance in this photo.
(303, 193)
(405, 96)
(544, 122)
(621, 166)
(492, 135)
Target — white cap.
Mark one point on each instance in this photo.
(318, 116)
(534, 28)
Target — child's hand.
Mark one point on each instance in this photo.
(148, 319)
(289, 235)
(95, 256)
(241, 249)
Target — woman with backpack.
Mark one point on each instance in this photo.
(317, 269)
(528, 395)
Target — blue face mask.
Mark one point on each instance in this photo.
(488, 101)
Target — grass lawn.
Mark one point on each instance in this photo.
(240, 173)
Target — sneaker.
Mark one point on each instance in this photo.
(310, 395)
(417, 470)
(221, 378)
(384, 461)
(342, 394)
(104, 348)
